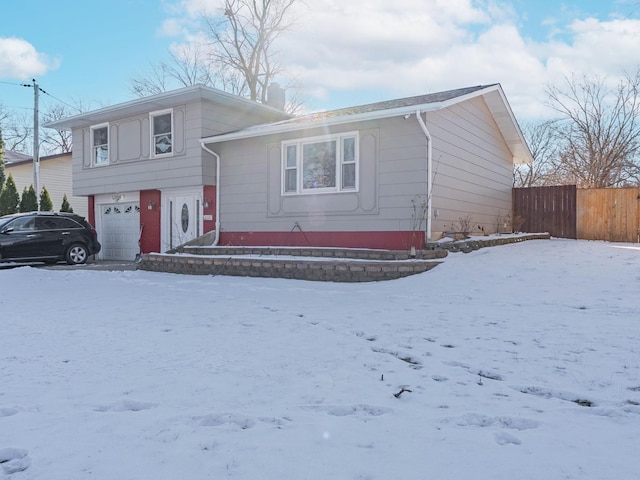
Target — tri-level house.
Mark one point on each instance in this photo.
(144, 171)
(394, 174)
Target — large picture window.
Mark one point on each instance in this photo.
(320, 164)
(162, 133)
(100, 144)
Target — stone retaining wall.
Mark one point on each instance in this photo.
(467, 246)
(338, 265)
(346, 253)
(331, 270)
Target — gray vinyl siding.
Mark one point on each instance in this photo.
(472, 165)
(133, 168)
(472, 176)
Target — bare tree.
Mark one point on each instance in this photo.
(56, 141)
(542, 141)
(238, 53)
(243, 40)
(599, 132)
(16, 130)
(188, 65)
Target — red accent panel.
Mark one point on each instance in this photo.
(150, 241)
(402, 240)
(91, 204)
(209, 195)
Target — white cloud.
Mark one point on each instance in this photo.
(602, 48)
(379, 49)
(20, 60)
(172, 27)
(409, 47)
(196, 8)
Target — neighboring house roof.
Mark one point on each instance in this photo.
(492, 94)
(160, 102)
(11, 157)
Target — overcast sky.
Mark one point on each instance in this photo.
(342, 53)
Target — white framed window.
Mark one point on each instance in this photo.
(161, 132)
(323, 164)
(100, 144)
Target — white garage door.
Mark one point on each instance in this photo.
(120, 231)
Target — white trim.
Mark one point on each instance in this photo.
(293, 126)
(100, 126)
(142, 105)
(152, 135)
(299, 143)
(501, 111)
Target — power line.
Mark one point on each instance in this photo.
(30, 85)
(15, 106)
(62, 101)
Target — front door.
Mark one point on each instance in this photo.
(184, 213)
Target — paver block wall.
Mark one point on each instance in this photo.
(332, 271)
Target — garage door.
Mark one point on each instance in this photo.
(120, 231)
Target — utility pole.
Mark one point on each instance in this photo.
(36, 139)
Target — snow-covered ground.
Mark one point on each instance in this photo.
(518, 362)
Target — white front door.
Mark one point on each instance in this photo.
(184, 214)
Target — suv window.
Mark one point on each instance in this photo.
(22, 224)
(55, 223)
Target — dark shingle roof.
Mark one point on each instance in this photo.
(388, 104)
(492, 94)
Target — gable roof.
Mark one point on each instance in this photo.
(492, 94)
(162, 101)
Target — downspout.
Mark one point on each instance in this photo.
(207, 149)
(429, 169)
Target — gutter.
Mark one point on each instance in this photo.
(206, 149)
(292, 125)
(429, 169)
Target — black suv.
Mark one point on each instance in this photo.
(47, 237)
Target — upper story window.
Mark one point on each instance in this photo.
(162, 133)
(100, 144)
(320, 164)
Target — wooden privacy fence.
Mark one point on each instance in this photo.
(611, 214)
(547, 209)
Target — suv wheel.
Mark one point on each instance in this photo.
(76, 254)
